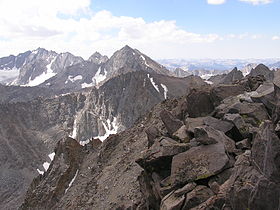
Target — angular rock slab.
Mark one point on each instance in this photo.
(198, 163)
(171, 123)
(266, 152)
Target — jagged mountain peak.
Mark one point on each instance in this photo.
(40, 51)
(98, 58)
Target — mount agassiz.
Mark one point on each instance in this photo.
(58, 108)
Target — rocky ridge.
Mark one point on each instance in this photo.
(212, 149)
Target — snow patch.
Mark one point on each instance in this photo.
(73, 79)
(74, 132)
(72, 181)
(110, 128)
(206, 76)
(46, 165)
(51, 156)
(83, 143)
(85, 85)
(209, 82)
(154, 84)
(144, 59)
(165, 90)
(43, 77)
(40, 172)
(98, 77)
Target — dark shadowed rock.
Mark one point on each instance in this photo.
(239, 123)
(152, 133)
(158, 157)
(221, 92)
(171, 123)
(199, 103)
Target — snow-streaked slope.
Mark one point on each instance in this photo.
(43, 77)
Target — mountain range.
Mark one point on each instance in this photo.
(101, 133)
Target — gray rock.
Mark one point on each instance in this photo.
(198, 163)
(262, 70)
(187, 188)
(158, 156)
(171, 123)
(199, 103)
(266, 152)
(202, 136)
(172, 202)
(197, 196)
(182, 134)
(218, 124)
(152, 133)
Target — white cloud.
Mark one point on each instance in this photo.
(69, 25)
(256, 36)
(257, 2)
(216, 2)
(275, 38)
(239, 36)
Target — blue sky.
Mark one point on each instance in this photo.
(159, 28)
(199, 16)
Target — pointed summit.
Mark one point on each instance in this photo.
(128, 60)
(126, 50)
(262, 69)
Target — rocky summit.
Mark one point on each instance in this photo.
(127, 133)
